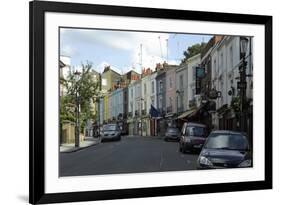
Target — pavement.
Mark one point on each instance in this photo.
(132, 154)
(88, 141)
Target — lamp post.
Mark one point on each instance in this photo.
(99, 104)
(77, 101)
(243, 83)
(141, 100)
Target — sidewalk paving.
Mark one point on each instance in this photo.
(88, 141)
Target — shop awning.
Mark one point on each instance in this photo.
(186, 113)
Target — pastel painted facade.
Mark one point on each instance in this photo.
(153, 95)
(182, 88)
(101, 115)
(146, 102)
(109, 106)
(117, 108)
(105, 107)
(170, 90)
(145, 94)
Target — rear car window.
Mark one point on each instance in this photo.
(195, 131)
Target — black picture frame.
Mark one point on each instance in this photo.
(37, 9)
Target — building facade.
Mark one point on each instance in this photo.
(170, 91)
(64, 70)
(226, 58)
(192, 63)
(161, 91)
(181, 88)
(146, 103)
(110, 79)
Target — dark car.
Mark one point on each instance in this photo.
(110, 132)
(193, 136)
(225, 149)
(172, 133)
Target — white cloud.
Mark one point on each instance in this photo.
(154, 45)
(68, 50)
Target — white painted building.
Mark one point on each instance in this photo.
(134, 107)
(225, 73)
(146, 93)
(64, 70)
(192, 63)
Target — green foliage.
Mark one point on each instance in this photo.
(67, 109)
(193, 50)
(87, 88)
(235, 105)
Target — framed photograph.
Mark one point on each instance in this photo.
(130, 102)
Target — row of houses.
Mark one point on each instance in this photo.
(145, 104)
(203, 88)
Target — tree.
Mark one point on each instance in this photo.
(193, 50)
(88, 89)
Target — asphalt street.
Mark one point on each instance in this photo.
(130, 155)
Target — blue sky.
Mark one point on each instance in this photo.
(121, 49)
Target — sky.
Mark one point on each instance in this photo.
(124, 50)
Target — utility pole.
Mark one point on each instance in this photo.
(141, 87)
(99, 101)
(243, 83)
(160, 46)
(77, 101)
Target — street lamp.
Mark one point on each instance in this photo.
(77, 122)
(243, 83)
(243, 46)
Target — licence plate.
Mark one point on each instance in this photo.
(197, 146)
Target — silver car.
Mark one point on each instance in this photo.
(110, 132)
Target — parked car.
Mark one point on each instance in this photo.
(172, 133)
(110, 132)
(225, 149)
(193, 136)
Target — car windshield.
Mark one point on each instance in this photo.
(109, 127)
(227, 141)
(196, 131)
(172, 130)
